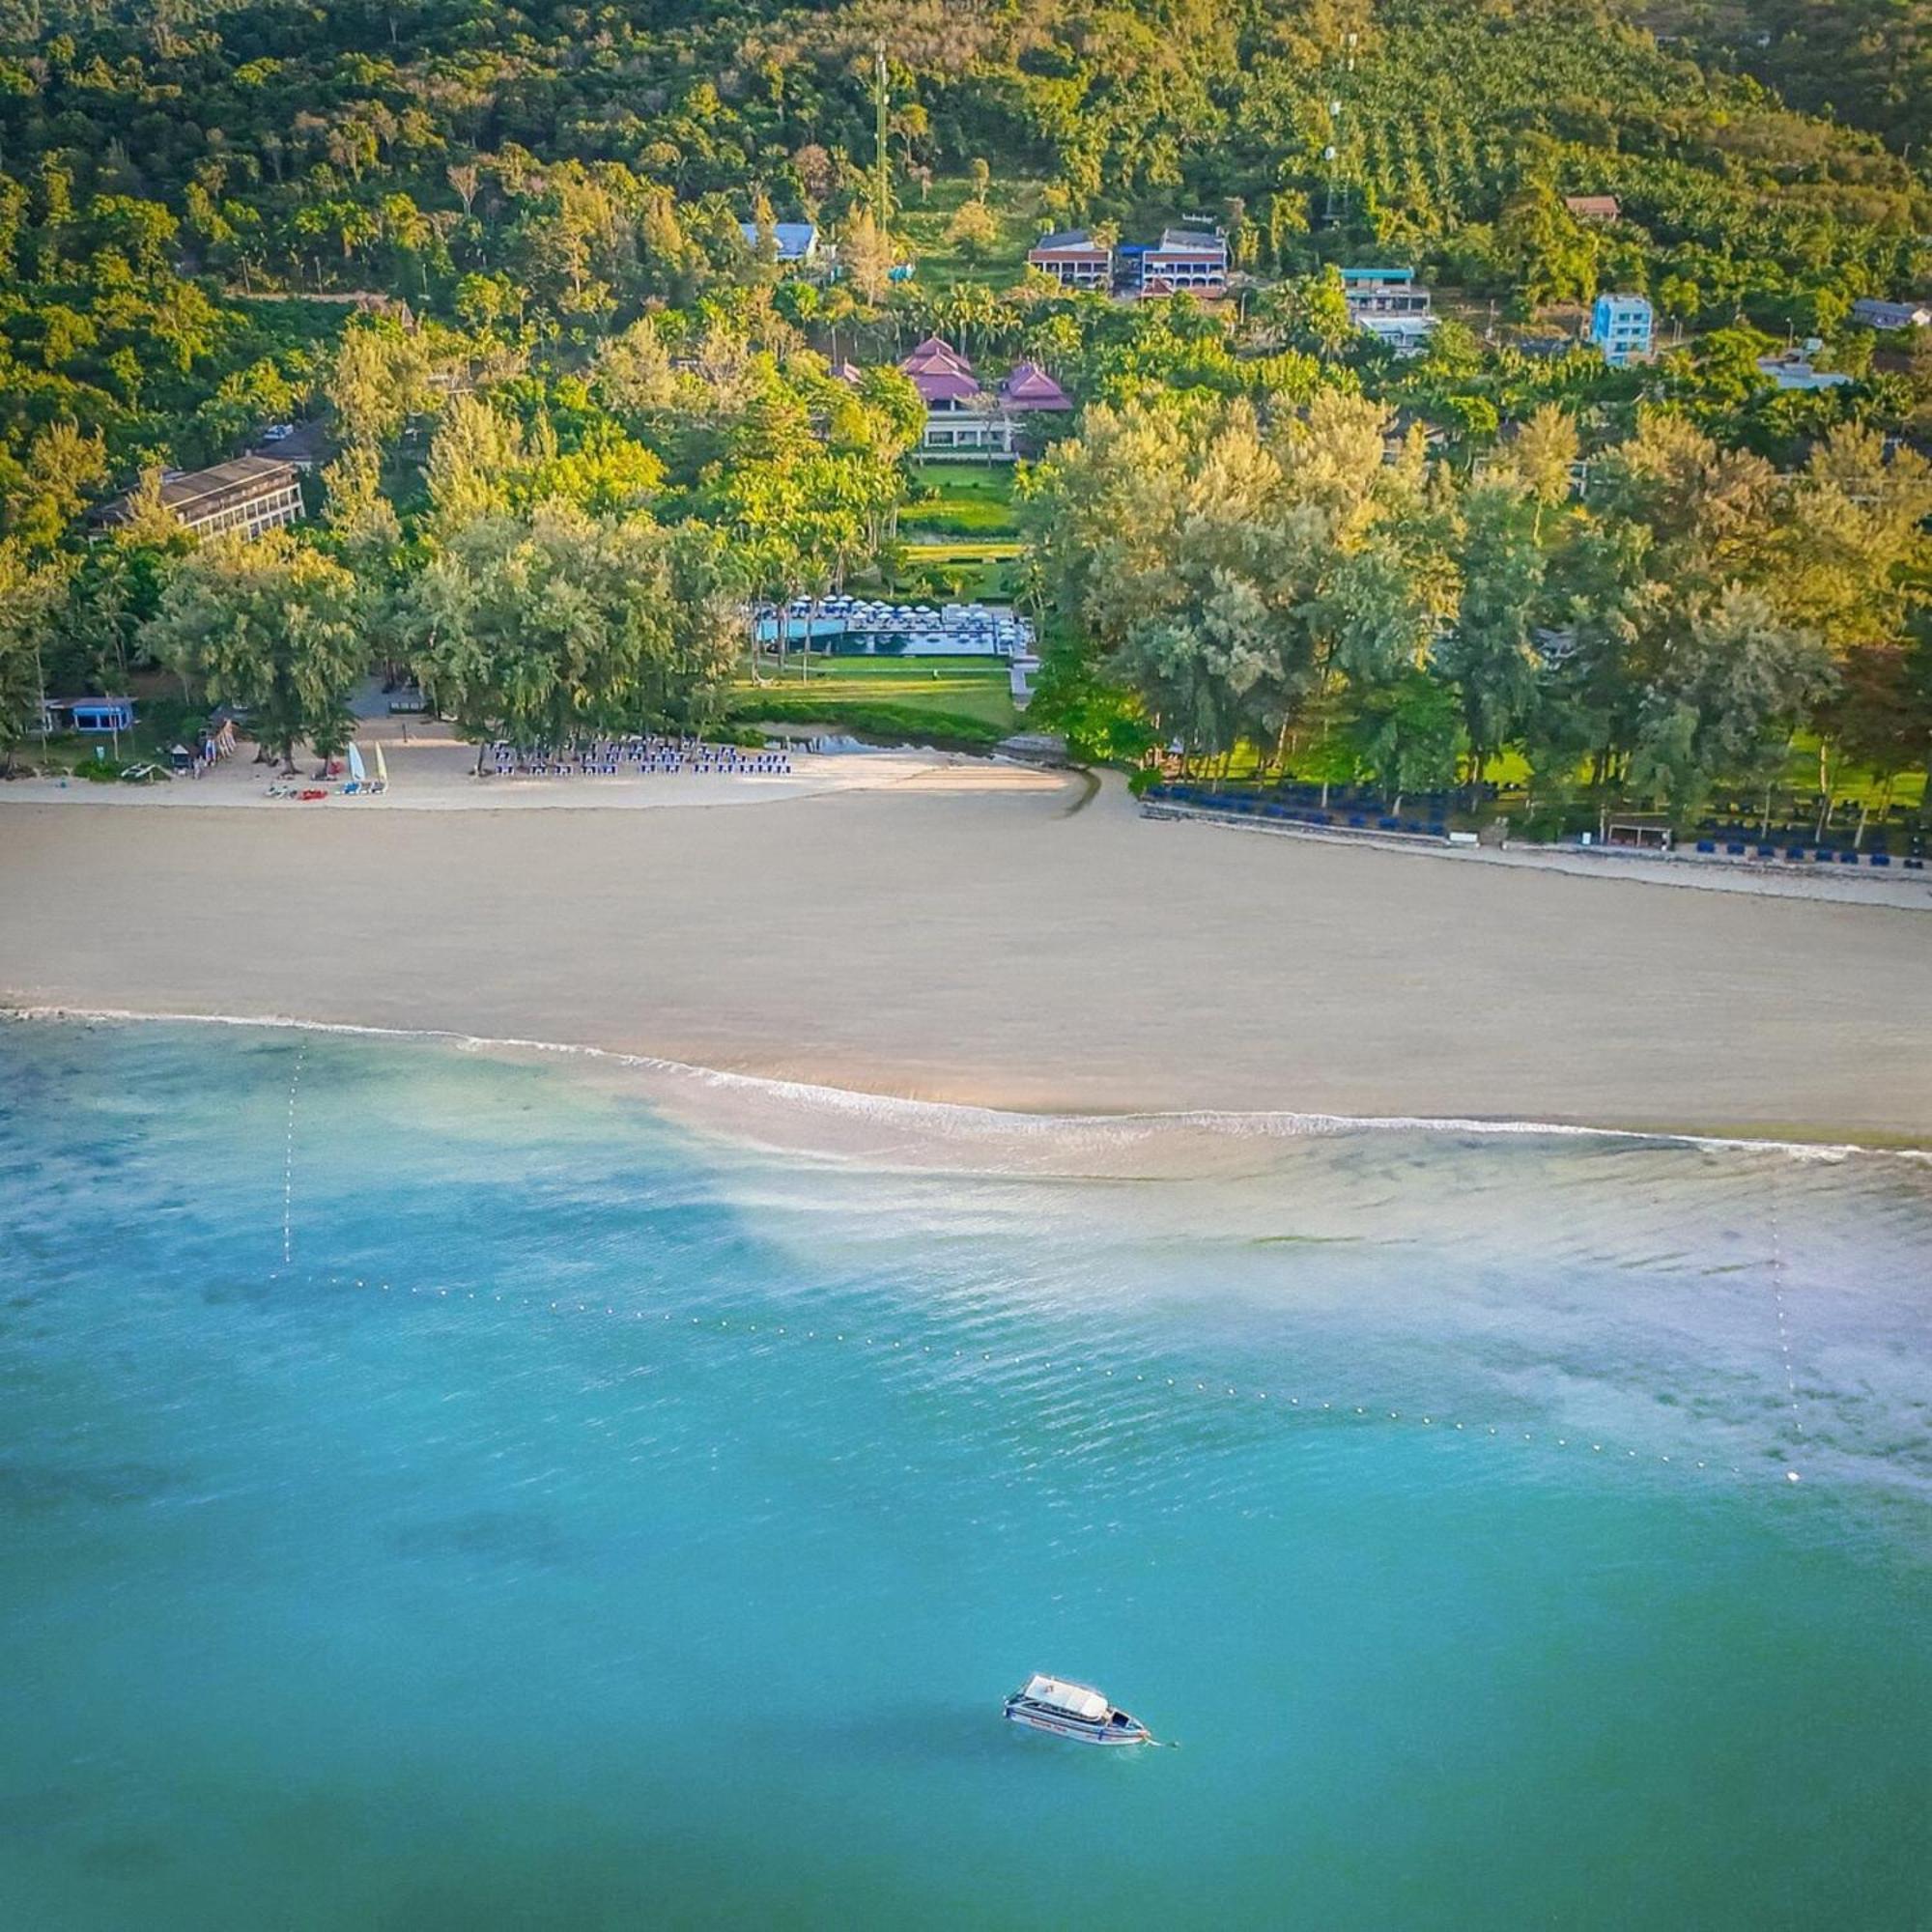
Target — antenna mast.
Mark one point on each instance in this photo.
(882, 185)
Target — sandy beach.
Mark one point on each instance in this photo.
(967, 932)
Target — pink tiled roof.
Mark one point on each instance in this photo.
(944, 385)
(1029, 388)
(932, 355)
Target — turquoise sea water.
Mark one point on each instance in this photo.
(481, 1503)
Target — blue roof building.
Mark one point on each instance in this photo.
(797, 241)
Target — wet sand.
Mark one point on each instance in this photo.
(964, 934)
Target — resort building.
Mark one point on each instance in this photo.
(1593, 207)
(1185, 261)
(1391, 305)
(1791, 369)
(962, 418)
(91, 717)
(244, 497)
(1027, 389)
(1892, 315)
(1622, 326)
(797, 241)
(1073, 259)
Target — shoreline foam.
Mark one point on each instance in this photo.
(958, 938)
(965, 1118)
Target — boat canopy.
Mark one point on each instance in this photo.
(1077, 1699)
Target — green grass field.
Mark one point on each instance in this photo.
(980, 571)
(966, 501)
(965, 700)
(1017, 212)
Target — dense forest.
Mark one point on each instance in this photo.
(494, 254)
(1866, 61)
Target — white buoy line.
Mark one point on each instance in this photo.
(289, 1161)
(1309, 1407)
(1784, 1331)
(1185, 1384)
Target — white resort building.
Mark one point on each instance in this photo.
(963, 418)
(248, 495)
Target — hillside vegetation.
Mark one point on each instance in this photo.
(572, 421)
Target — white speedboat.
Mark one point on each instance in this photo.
(1074, 1711)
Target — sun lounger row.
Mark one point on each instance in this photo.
(1820, 855)
(635, 757)
(1246, 805)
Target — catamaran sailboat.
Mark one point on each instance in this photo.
(1074, 1711)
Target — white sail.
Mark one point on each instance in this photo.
(355, 766)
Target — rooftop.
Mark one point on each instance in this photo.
(935, 353)
(1190, 241)
(940, 373)
(1070, 240)
(199, 492)
(1890, 314)
(1028, 386)
(796, 239)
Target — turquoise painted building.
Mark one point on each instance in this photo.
(1624, 328)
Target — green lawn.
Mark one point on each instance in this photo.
(965, 699)
(982, 572)
(1015, 209)
(966, 499)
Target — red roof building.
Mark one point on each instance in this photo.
(1073, 259)
(1029, 388)
(942, 375)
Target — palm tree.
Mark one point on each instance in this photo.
(970, 306)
